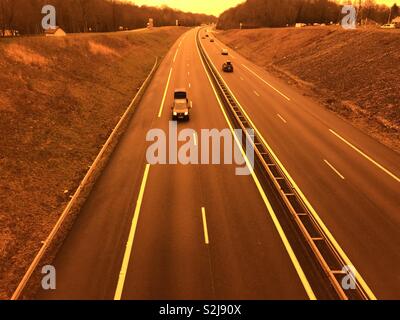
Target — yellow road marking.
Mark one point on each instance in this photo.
(203, 213)
(195, 139)
(267, 83)
(274, 218)
(129, 244)
(366, 156)
(176, 53)
(165, 94)
(335, 244)
(256, 93)
(183, 39)
(334, 169)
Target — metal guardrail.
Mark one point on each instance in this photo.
(332, 264)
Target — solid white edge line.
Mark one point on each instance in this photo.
(366, 156)
(165, 94)
(131, 237)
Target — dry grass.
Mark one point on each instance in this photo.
(6, 104)
(21, 54)
(97, 48)
(59, 100)
(353, 73)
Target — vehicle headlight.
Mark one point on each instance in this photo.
(175, 113)
(186, 113)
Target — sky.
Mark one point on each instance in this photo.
(215, 7)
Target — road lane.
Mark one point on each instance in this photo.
(90, 258)
(307, 107)
(245, 257)
(362, 211)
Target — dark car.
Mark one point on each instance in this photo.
(182, 106)
(227, 67)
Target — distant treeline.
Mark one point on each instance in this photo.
(91, 15)
(279, 13)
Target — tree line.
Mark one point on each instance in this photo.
(91, 15)
(280, 13)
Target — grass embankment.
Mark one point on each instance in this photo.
(353, 73)
(59, 100)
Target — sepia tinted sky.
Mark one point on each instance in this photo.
(214, 7)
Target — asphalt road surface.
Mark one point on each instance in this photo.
(202, 232)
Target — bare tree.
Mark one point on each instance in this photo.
(84, 7)
(85, 15)
(279, 13)
(7, 11)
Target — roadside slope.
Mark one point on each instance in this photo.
(59, 100)
(353, 73)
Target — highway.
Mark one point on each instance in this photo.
(202, 232)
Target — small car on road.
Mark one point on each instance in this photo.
(389, 26)
(211, 40)
(182, 105)
(224, 52)
(227, 66)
